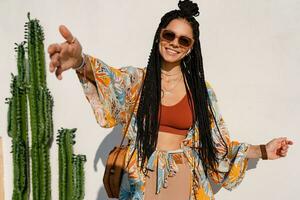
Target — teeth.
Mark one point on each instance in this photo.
(171, 51)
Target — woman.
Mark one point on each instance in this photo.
(177, 135)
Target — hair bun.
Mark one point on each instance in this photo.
(188, 8)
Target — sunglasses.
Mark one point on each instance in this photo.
(169, 36)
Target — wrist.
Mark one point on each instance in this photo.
(254, 152)
(264, 154)
(81, 63)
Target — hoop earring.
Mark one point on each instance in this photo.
(189, 51)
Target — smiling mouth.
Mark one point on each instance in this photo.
(171, 51)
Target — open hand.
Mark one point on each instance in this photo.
(278, 148)
(65, 55)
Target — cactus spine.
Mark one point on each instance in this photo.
(41, 107)
(79, 178)
(31, 83)
(71, 167)
(18, 128)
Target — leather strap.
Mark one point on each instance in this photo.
(264, 153)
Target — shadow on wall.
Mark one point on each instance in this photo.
(114, 138)
(108, 143)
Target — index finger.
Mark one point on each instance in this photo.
(64, 31)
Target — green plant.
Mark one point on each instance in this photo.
(41, 104)
(18, 128)
(71, 167)
(31, 83)
(78, 176)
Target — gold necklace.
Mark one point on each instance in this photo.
(169, 78)
(164, 72)
(169, 90)
(169, 74)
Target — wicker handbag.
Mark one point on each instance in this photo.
(115, 164)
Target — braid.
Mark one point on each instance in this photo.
(147, 114)
(148, 108)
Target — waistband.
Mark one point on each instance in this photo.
(165, 163)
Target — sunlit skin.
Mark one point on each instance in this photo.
(67, 55)
(172, 52)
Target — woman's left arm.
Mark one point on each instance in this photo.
(232, 155)
(275, 149)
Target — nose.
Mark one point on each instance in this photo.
(174, 43)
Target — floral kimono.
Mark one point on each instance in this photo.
(112, 97)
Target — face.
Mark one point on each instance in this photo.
(172, 51)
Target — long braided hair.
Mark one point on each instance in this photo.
(192, 69)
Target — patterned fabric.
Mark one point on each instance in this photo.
(112, 97)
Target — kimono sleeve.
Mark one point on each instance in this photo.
(232, 162)
(112, 93)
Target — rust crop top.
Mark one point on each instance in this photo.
(176, 119)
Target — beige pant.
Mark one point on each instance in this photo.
(178, 186)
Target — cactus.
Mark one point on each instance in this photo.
(71, 167)
(18, 128)
(41, 107)
(31, 83)
(78, 176)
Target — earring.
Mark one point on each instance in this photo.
(189, 51)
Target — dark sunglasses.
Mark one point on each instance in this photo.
(170, 36)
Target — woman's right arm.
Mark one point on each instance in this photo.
(67, 55)
(110, 91)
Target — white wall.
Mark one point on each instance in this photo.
(251, 56)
